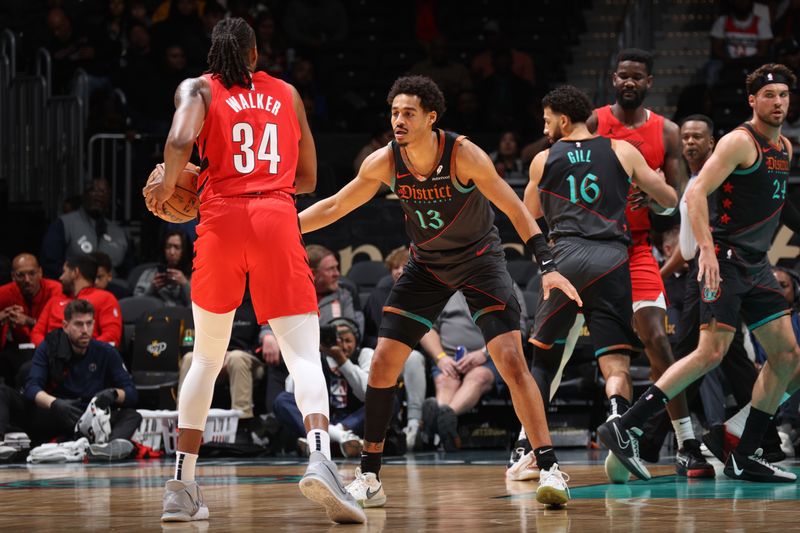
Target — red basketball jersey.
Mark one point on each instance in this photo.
(249, 140)
(649, 140)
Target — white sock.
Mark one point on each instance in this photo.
(336, 432)
(683, 430)
(319, 441)
(413, 422)
(522, 435)
(735, 424)
(184, 466)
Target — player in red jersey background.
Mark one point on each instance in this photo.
(257, 152)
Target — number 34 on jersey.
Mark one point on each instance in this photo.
(267, 149)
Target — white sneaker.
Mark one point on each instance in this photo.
(367, 490)
(615, 470)
(351, 445)
(183, 502)
(523, 467)
(322, 484)
(553, 490)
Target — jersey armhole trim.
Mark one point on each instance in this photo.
(453, 177)
(752, 168)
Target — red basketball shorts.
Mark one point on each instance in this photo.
(256, 236)
(646, 279)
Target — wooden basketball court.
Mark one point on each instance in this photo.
(455, 493)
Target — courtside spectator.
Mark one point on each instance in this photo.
(170, 281)
(69, 370)
(77, 281)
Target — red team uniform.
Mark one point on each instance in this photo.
(649, 140)
(248, 221)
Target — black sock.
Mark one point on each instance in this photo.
(618, 405)
(371, 462)
(545, 457)
(646, 406)
(754, 428)
(378, 411)
(544, 368)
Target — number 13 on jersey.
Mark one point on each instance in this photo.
(245, 162)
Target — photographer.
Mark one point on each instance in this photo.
(346, 373)
(170, 281)
(69, 369)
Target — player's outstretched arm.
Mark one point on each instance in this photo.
(733, 150)
(192, 98)
(473, 162)
(375, 170)
(305, 180)
(647, 179)
(531, 199)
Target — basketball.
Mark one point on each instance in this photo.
(182, 205)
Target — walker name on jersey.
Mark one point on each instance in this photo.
(254, 101)
(409, 192)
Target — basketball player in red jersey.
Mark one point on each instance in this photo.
(658, 139)
(257, 152)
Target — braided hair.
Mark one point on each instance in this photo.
(227, 59)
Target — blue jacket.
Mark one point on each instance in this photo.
(83, 377)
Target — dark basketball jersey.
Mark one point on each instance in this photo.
(749, 201)
(441, 212)
(584, 191)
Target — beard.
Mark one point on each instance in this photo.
(770, 120)
(631, 103)
(68, 287)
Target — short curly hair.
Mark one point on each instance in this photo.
(430, 96)
(570, 101)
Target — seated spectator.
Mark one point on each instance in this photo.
(104, 276)
(184, 29)
(507, 160)
(451, 76)
(23, 300)
(240, 366)
(521, 62)
(311, 25)
(77, 281)
(271, 49)
(381, 136)
(71, 49)
(459, 384)
(69, 370)
(739, 35)
(21, 304)
(346, 372)
(467, 117)
(171, 280)
(504, 96)
(85, 231)
(414, 367)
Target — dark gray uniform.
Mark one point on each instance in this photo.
(454, 246)
(584, 192)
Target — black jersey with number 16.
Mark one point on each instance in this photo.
(584, 190)
(442, 212)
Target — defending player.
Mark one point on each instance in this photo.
(580, 185)
(257, 152)
(750, 168)
(443, 182)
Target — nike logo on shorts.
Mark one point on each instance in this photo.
(480, 252)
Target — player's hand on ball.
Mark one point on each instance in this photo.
(156, 192)
(554, 280)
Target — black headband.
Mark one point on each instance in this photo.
(767, 79)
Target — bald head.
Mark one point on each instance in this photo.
(27, 274)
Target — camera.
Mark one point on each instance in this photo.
(328, 336)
